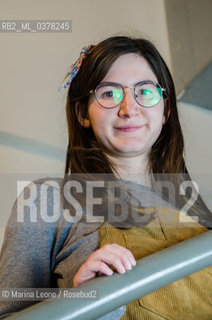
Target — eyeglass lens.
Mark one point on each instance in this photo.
(111, 95)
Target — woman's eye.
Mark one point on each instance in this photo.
(108, 94)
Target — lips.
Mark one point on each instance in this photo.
(129, 128)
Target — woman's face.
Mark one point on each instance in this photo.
(128, 130)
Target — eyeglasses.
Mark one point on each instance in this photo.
(110, 94)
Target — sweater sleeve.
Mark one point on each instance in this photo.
(26, 255)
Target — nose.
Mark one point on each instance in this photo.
(128, 106)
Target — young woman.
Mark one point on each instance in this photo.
(125, 138)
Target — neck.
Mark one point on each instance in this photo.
(134, 169)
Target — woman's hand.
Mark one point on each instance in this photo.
(99, 261)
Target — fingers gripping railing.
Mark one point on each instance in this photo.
(150, 274)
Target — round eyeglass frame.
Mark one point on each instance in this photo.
(157, 85)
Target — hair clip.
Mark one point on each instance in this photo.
(74, 69)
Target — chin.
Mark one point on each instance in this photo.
(130, 147)
(130, 152)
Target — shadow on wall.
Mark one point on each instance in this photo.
(199, 92)
(195, 111)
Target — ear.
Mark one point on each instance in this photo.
(167, 110)
(84, 121)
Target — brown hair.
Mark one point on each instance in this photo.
(84, 154)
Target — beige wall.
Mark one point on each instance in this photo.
(190, 32)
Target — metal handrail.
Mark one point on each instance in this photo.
(150, 273)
